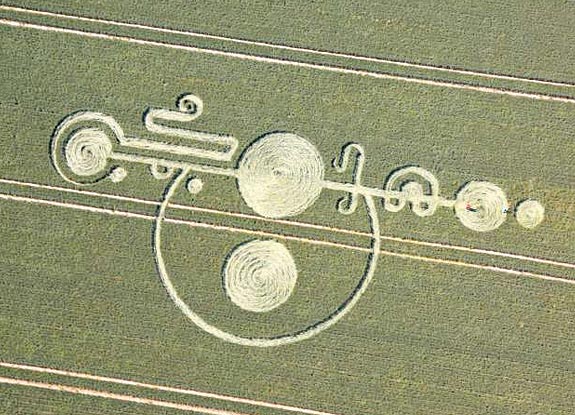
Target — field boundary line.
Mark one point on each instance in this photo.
(113, 212)
(278, 46)
(287, 62)
(117, 397)
(294, 223)
(163, 388)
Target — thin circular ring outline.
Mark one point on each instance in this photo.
(282, 339)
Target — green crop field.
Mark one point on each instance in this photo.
(450, 321)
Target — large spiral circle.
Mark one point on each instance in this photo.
(280, 175)
(481, 206)
(530, 213)
(259, 275)
(87, 152)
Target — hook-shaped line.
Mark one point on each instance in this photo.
(348, 204)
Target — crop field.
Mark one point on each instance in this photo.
(240, 208)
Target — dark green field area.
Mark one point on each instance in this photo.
(79, 290)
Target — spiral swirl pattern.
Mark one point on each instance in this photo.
(87, 152)
(259, 275)
(530, 213)
(481, 206)
(280, 175)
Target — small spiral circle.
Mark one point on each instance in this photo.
(259, 275)
(118, 174)
(191, 104)
(87, 152)
(280, 175)
(530, 213)
(481, 206)
(195, 185)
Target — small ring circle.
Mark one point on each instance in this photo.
(195, 185)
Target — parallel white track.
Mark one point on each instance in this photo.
(114, 212)
(276, 46)
(116, 396)
(287, 62)
(244, 56)
(262, 59)
(291, 223)
(161, 388)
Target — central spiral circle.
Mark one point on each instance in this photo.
(259, 275)
(280, 175)
(87, 152)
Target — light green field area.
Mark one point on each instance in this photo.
(79, 290)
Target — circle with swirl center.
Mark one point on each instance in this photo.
(259, 276)
(87, 152)
(481, 206)
(530, 213)
(280, 175)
